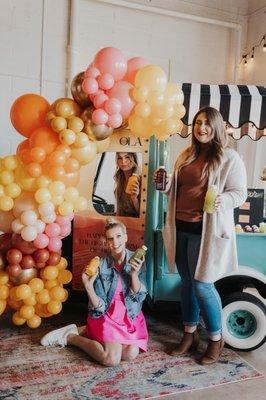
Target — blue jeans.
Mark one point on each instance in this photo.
(196, 296)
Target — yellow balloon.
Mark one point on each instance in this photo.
(71, 194)
(139, 126)
(25, 181)
(173, 93)
(57, 200)
(36, 285)
(66, 208)
(41, 311)
(82, 140)
(62, 263)
(13, 190)
(23, 291)
(64, 276)
(43, 181)
(50, 272)
(165, 111)
(155, 98)
(180, 110)
(57, 188)
(66, 295)
(43, 297)
(17, 320)
(86, 154)
(58, 124)
(30, 301)
(142, 110)
(2, 190)
(3, 304)
(34, 321)
(15, 304)
(57, 293)
(67, 136)
(54, 307)
(4, 292)
(6, 203)
(26, 312)
(140, 94)
(6, 177)
(42, 195)
(75, 124)
(10, 162)
(151, 76)
(49, 284)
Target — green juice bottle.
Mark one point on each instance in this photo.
(139, 253)
(210, 198)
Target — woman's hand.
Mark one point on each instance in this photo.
(88, 280)
(154, 176)
(217, 203)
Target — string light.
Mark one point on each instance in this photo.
(252, 51)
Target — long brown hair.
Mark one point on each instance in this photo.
(119, 176)
(216, 146)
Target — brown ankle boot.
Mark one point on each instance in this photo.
(213, 352)
(189, 342)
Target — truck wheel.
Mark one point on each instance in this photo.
(243, 321)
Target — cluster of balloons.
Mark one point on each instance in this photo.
(117, 92)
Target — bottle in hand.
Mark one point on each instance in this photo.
(92, 268)
(210, 197)
(160, 181)
(132, 180)
(139, 254)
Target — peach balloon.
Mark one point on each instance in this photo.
(45, 138)
(133, 65)
(34, 322)
(6, 219)
(28, 113)
(112, 61)
(121, 91)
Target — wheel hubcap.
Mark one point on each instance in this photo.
(241, 324)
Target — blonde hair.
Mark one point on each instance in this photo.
(119, 176)
(111, 223)
(217, 144)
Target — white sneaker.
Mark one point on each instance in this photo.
(59, 336)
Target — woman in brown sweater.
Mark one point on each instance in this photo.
(203, 245)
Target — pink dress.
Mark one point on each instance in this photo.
(116, 327)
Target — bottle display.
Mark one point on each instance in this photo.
(161, 178)
(139, 253)
(210, 198)
(92, 268)
(132, 180)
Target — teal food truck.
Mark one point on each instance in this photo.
(243, 293)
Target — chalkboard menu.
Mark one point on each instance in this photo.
(251, 212)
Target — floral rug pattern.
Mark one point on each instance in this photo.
(29, 371)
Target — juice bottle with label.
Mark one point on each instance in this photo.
(132, 180)
(210, 198)
(139, 253)
(92, 268)
(161, 178)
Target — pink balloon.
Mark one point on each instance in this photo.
(60, 220)
(41, 241)
(121, 91)
(115, 120)
(112, 106)
(92, 72)
(90, 85)
(52, 230)
(133, 65)
(70, 216)
(105, 81)
(99, 100)
(65, 230)
(112, 61)
(55, 244)
(99, 117)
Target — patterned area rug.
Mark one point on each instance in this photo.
(29, 371)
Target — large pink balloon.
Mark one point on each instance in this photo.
(121, 91)
(111, 61)
(133, 65)
(6, 219)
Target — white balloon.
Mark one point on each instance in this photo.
(29, 233)
(48, 219)
(40, 226)
(17, 226)
(46, 208)
(28, 217)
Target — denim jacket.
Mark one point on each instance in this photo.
(105, 286)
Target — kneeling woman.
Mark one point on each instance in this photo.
(116, 328)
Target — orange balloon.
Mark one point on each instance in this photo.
(22, 146)
(46, 138)
(28, 113)
(71, 178)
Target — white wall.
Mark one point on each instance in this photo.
(34, 53)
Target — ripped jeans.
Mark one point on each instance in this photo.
(196, 296)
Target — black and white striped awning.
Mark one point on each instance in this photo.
(238, 104)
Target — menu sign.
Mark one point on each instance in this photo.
(251, 212)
